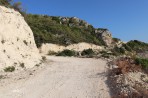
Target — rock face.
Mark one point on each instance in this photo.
(105, 35)
(73, 21)
(17, 44)
(45, 48)
(143, 54)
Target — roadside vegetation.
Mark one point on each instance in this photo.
(51, 53)
(88, 53)
(9, 69)
(67, 53)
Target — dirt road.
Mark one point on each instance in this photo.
(63, 78)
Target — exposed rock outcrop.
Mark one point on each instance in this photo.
(73, 21)
(17, 44)
(105, 35)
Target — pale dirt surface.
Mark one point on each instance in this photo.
(63, 77)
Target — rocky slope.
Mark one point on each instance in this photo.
(127, 79)
(17, 46)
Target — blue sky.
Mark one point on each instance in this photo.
(126, 19)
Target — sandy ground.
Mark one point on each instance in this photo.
(63, 77)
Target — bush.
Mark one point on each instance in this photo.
(5, 3)
(9, 69)
(137, 46)
(105, 54)
(128, 48)
(143, 62)
(66, 53)
(51, 53)
(118, 51)
(87, 52)
(116, 39)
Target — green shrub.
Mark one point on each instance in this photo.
(127, 47)
(103, 52)
(143, 62)
(51, 53)
(88, 52)
(118, 51)
(9, 69)
(5, 3)
(116, 39)
(105, 55)
(66, 53)
(137, 45)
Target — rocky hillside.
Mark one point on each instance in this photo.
(16, 41)
(66, 31)
(133, 47)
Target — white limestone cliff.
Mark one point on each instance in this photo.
(17, 43)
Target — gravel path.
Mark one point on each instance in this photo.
(63, 78)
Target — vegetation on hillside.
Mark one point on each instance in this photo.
(137, 46)
(143, 62)
(133, 46)
(48, 29)
(5, 3)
